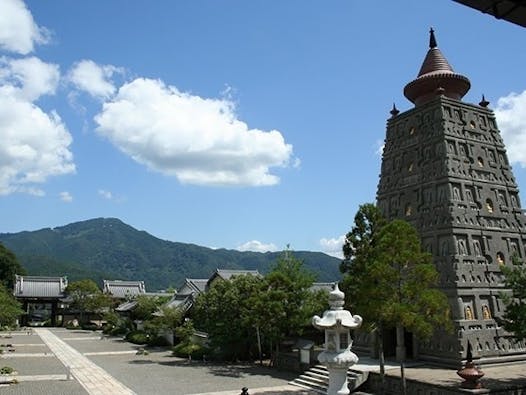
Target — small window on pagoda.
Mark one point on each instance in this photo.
(468, 313)
(344, 341)
(408, 210)
(500, 258)
(412, 130)
(489, 205)
(486, 313)
(410, 168)
(480, 161)
(472, 124)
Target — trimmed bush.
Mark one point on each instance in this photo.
(138, 337)
(195, 351)
(6, 370)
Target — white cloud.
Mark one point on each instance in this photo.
(333, 246)
(35, 144)
(94, 79)
(105, 194)
(198, 140)
(510, 112)
(28, 78)
(379, 150)
(66, 197)
(18, 31)
(257, 246)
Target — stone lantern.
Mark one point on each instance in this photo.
(337, 355)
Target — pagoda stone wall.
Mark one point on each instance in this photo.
(445, 170)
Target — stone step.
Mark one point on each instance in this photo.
(317, 379)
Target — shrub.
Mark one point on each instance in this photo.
(138, 337)
(6, 370)
(195, 351)
(158, 341)
(90, 326)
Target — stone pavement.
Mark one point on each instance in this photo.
(96, 381)
(42, 356)
(96, 363)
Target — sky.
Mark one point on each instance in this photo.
(248, 125)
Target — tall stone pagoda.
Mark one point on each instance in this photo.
(445, 170)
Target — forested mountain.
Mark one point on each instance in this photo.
(107, 248)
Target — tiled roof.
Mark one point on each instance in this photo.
(126, 306)
(227, 274)
(40, 287)
(193, 285)
(123, 289)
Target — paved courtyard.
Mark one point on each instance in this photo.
(56, 361)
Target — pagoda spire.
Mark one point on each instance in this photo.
(432, 39)
(436, 73)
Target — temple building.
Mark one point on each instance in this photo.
(445, 170)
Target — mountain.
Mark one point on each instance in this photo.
(107, 248)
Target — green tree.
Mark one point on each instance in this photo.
(514, 318)
(389, 281)
(10, 309)
(286, 305)
(87, 297)
(166, 319)
(359, 247)
(226, 313)
(146, 306)
(9, 267)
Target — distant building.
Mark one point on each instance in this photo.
(119, 289)
(41, 299)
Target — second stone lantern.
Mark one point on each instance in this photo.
(337, 355)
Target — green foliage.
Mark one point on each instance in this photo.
(514, 318)
(225, 313)
(286, 305)
(278, 306)
(87, 297)
(138, 337)
(410, 278)
(108, 248)
(389, 281)
(9, 267)
(115, 324)
(6, 370)
(10, 309)
(165, 319)
(192, 350)
(146, 306)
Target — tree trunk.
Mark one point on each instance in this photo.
(259, 346)
(381, 357)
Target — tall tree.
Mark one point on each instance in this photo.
(287, 304)
(389, 281)
(514, 318)
(9, 267)
(359, 246)
(87, 297)
(225, 312)
(10, 309)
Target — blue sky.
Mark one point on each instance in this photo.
(232, 124)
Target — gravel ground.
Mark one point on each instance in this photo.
(70, 387)
(29, 366)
